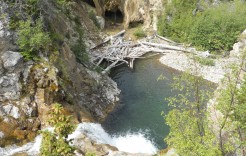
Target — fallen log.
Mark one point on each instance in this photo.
(163, 46)
(165, 39)
(119, 34)
(109, 67)
(109, 38)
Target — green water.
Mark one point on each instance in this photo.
(142, 100)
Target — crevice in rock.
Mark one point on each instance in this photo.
(114, 17)
(91, 3)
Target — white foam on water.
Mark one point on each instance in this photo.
(129, 142)
(31, 148)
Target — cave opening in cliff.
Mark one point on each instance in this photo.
(114, 17)
(90, 2)
(135, 24)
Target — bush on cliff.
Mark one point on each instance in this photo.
(56, 143)
(32, 39)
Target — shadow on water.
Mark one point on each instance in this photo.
(142, 100)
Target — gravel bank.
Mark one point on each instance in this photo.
(184, 62)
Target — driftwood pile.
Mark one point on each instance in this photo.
(117, 51)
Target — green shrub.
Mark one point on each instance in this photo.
(205, 61)
(63, 2)
(177, 19)
(218, 28)
(214, 29)
(32, 39)
(79, 48)
(80, 52)
(56, 143)
(139, 33)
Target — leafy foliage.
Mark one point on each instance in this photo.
(56, 143)
(32, 39)
(205, 61)
(79, 48)
(232, 103)
(214, 28)
(217, 29)
(177, 19)
(189, 125)
(139, 33)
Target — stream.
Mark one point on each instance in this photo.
(142, 101)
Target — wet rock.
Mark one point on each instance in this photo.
(86, 145)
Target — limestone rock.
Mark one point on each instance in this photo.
(101, 21)
(12, 64)
(11, 60)
(239, 46)
(11, 110)
(4, 21)
(133, 10)
(10, 87)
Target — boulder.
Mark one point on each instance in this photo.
(101, 21)
(12, 64)
(11, 110)
(11, 60)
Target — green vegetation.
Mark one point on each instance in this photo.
(190, 133)
(214, 28)
(93, 17)
(79, 48)
(26, 20)
(56, 143)
(195, 129)
(90, 154)
(204, 61)
(139, 33)
(232, 104)
(32, 39)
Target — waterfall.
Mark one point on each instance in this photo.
(129, 142)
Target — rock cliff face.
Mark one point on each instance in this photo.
(28, 88)
(145, 11)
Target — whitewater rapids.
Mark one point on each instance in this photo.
(130, 142)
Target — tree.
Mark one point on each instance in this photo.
(232, 104)
(190, 133)
(56, 143)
